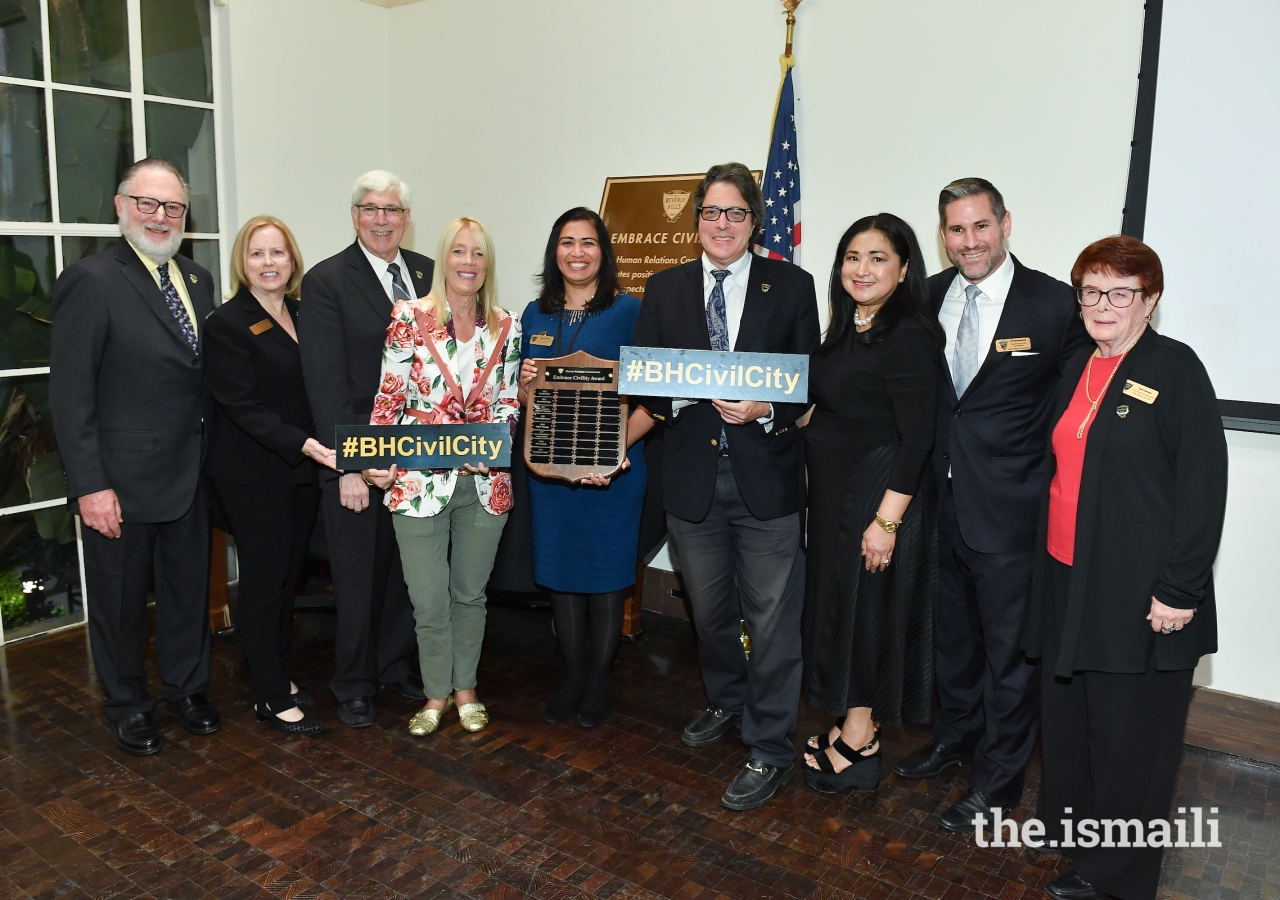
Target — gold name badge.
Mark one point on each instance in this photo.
(1140, 392)
(542, 340)
(1005, 345)
(259, 327)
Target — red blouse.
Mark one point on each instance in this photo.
(1068, 450)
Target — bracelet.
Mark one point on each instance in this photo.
(887, 524)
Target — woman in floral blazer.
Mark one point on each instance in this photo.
(451, 357)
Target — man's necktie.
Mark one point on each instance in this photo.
(398, 290)
(718, 327)
(174, 299)
(968, 356)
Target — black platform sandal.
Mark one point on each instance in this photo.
(823, 741)
(863, 773)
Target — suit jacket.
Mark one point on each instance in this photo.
(992, 438)
(342, 328)
(127, 391)
(1153, 498)
(263, 417)
(768, 465)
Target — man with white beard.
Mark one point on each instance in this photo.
(126, 384)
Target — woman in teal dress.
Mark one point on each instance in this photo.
(585, 534)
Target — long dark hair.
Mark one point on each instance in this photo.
(551, 299)
(909, 299)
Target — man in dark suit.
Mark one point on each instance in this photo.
(126, 384)
(342, 328)
(1010, 330)
(733, 479)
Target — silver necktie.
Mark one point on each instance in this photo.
(968, 357)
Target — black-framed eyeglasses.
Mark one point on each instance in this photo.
(393, 212)
(713, 213)
(148, 205)
(1119, 297)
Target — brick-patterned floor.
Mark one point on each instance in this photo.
(523, 809)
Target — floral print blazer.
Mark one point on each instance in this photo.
(411, 380)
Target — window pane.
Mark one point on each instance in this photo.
(20, 39)
(74, 248)
(176, 52)
(30, 465)
(39, 572)
(89, 42)
(26, 280)
(184, 136)
(24, 155)
(206, 254)
(94, 140)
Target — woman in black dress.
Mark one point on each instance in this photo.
(872, 563)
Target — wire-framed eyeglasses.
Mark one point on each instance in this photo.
(371, 211)
(148, 205)
(1119, 297)
(713, 213)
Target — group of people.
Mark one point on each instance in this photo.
(1004, 491)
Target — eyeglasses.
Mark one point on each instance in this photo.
(371, 211)
(148, 205)
(713, 213)
(1119, 298)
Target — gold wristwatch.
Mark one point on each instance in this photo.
(887, 524)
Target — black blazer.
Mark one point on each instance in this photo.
(127, 391)
(342, 328)
(768, 465)
(263, 417)
(1153, 497)
(992, 438)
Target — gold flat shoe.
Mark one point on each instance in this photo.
(425, 721)
(473, 716)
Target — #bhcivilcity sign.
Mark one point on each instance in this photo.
(423, 446)
(713, 375)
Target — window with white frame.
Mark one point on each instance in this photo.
(86, 88)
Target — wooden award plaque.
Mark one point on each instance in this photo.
(577, 422)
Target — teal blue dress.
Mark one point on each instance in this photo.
(585, 538)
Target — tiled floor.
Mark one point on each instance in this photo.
(523, 809)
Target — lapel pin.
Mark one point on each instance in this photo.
(192, 276)
(764, 288)
(417, 273)
(1122, 410)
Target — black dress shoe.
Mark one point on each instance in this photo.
(1070, 886)
(306, 726)
(137, 734)
(755, 785)
(713, 724)
(409, 686)
(959, 817)
(196, 714)
(357, 712)
(930, 760)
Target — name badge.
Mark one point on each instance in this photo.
(1005, 345)
(542, 340)
(264, 325)
(1140, 392)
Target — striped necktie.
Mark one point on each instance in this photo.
(398, 290)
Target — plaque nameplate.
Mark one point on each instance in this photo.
(577, 422)
(714, 375)
(423, 446)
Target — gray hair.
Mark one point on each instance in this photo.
(968, 187)
(153, 162)
(376, 182)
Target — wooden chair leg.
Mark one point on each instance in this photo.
(219, 611)
(631, 616)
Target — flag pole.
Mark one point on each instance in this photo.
(790, 7)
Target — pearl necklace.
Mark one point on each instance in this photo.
(858, 321)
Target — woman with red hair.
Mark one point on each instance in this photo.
(1122, 596)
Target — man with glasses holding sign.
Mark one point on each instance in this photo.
(342, 326)
(733, 480)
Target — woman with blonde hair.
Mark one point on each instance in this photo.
(263, 454)
(451, 357)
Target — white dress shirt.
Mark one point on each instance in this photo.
(384, 274)
(995, 289)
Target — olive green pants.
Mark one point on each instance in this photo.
(447, 586)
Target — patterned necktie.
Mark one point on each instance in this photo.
(718, 327)
(967, 357)
(398, 290)
(174, 299)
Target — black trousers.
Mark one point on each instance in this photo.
(375, 641)
(119, 572)
(737, 567)
(988, 691)
(272, 525)
(1111, 745)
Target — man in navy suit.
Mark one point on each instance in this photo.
(733, 479)
(1010, 330)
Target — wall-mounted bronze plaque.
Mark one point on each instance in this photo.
(577, 423)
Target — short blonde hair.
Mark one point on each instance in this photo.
(241, 248)
(436, 301)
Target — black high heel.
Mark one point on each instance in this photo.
(862, 774)
(306, 726)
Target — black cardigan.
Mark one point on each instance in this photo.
(1153, 496)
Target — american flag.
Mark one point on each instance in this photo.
(781, 183)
